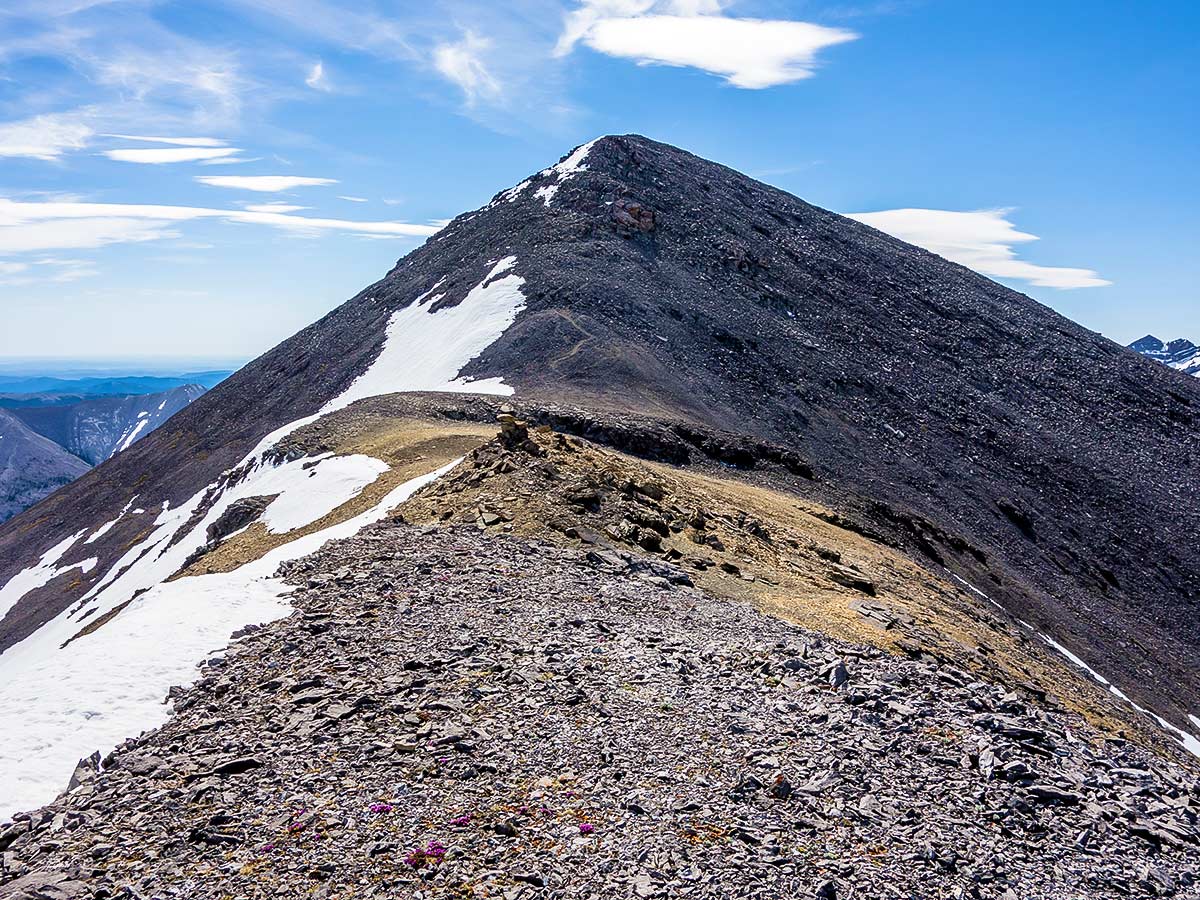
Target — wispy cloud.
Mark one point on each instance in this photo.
(982, 240)
(45, 137)
(317, 79)
(273, 207)
(353, 199)
(177, 141)
(47, 269)
(31, 227)
(262, 183)
(748, 53)
(139, 74)
(160, 155)
(463, 63)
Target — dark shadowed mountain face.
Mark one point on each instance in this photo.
(1179, 354)
(96, 429)
(1052, 469)
(30, 466)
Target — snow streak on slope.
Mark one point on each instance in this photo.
(58, 706)
(41, 574)
(1190, 742)
(131, 435)
(108, 526)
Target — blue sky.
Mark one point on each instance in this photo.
(201, 179)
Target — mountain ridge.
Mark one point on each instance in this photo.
(95, 429)
(1179, 354)
(31, 466)
(915, 400)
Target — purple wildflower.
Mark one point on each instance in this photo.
(586, 828)
(461, 820)
(381, 807)
(431, 854)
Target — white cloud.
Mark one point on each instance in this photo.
(262, 183)
(229, 160)
(170, 68)
(53, 270)
(27, 226)
(44, 137)
(317, 79)
(178, 141)
(353, 199)
(462, 62)
(982, 240)
(749, 53)
(273, 207)
(159, 155)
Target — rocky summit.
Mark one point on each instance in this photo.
(647, 532)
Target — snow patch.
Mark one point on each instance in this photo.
(108, 526)
(39, 575)
(563, 171)
(307, 492)
(58, 705)
(425, 349)
(511, 194)
(62, 703)
(132, 435)
(573, 163)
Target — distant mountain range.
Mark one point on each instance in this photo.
(41, 390)
(31, 466)
(55, 433)
(1178, 354)
(96, 428)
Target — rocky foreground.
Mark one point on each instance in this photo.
(456, 714)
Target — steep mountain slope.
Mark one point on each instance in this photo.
(674, 309)
(30, 466)
(1178, 354)
(95, 429)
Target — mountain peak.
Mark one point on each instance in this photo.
(635, 296)
(1180, 353)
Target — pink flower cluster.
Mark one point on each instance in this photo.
(432, 854)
